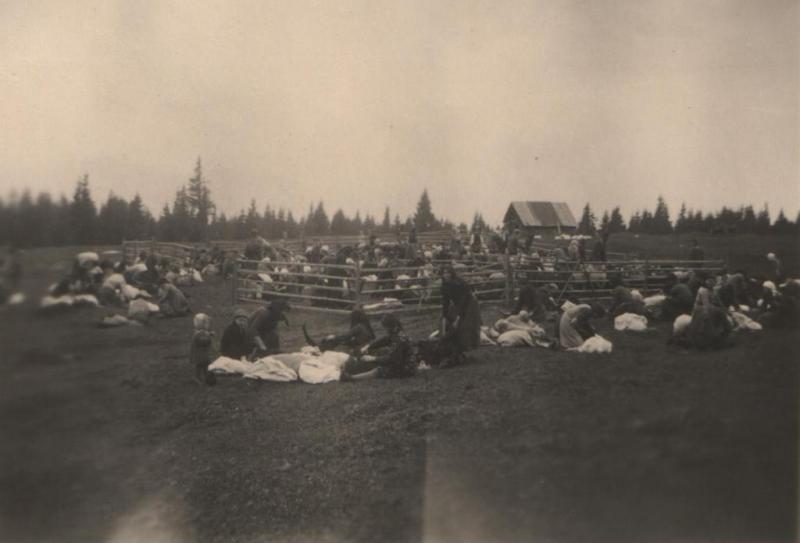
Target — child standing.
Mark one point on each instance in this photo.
(200, 350)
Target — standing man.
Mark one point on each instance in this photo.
(696, 254)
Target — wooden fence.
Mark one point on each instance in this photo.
(132, 249)
(338, 288)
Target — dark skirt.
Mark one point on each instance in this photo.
(709, 329)
(468, 334)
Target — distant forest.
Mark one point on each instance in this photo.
(42, 221)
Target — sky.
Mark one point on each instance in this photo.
(364, 104)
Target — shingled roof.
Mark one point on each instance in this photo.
(543, 214)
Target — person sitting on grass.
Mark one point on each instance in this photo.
(262, 328)
(574, 326)
(200, 350)
(623, 300)
(710, 327)
(234, 343)
(171, 300)
(679, 299)
(781, 309)
(393, 358)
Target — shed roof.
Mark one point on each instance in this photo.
(545, 214)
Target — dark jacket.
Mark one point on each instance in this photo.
(234, 343)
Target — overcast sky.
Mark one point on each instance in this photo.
(365, 103)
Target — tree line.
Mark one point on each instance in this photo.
(743, 220)
(26, 221)
(43, 221)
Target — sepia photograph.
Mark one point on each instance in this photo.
(413, 271)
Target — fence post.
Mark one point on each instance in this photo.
(357, 283)
(234, 290)
(646, 273)
(509, 279)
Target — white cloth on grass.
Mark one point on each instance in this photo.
(654, 301)
(630, 321)
(595, 344)
(681, 323)
(743, 322)
(516, 338)
(68, 300)
(286, 367)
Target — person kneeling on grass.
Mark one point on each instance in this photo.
(171, 300)
(200, 350)
(394, 356)
(262, 328)
(574, 326)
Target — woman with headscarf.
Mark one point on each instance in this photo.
(574, 326)
(461, 317)
(172, 301)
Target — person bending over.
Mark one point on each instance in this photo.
(461, 317)
(387, 357)
(536, 301)
(359, 334)
(262, 328)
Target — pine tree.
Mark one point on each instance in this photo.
(252, 220)
(782, 224)
(477, 222)
(138, 220)
(386, 224)
(111, 220)
(635, 223)
(681, 223)
(339, 223)
(763, 222)
(424, 219)
(292, 228)
(83, 214)
(747, 224)
(586, 224)
(616, 223)
(181, 226)
(318, 223)
(165, 224)
(201, 208)
(358, 224)
(660, 221)
(646, 223)
(605, 221)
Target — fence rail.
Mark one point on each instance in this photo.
(493, 278)
(340, 288)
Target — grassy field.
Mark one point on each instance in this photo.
(105, 437)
